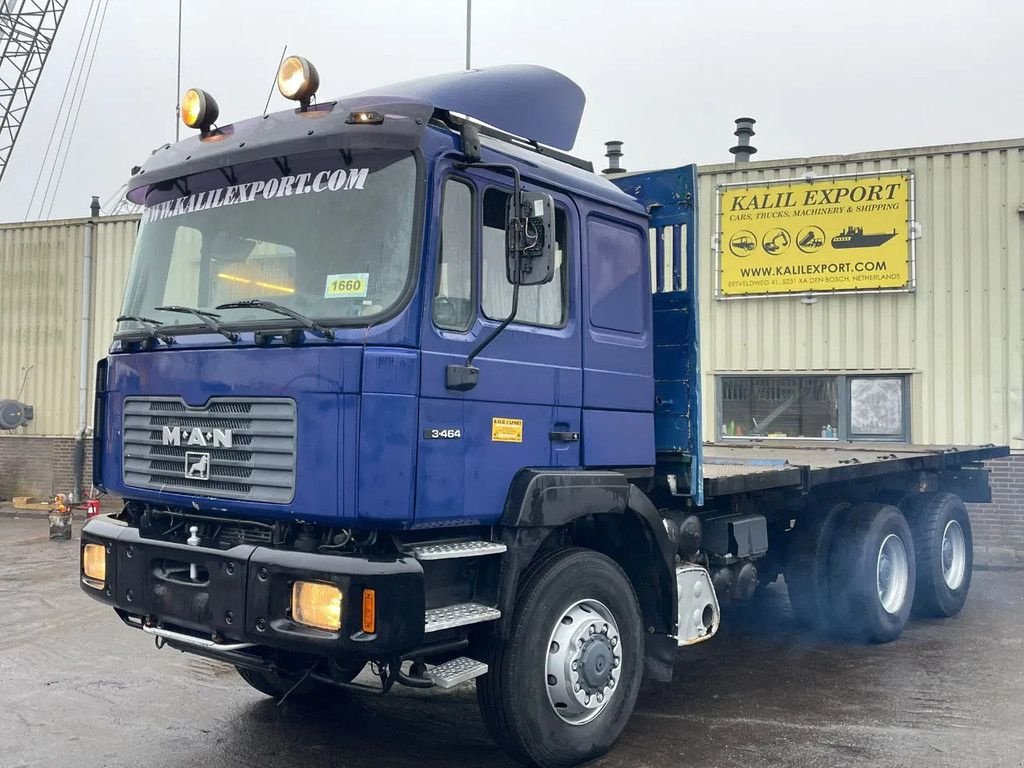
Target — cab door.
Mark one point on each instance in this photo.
(525, 410)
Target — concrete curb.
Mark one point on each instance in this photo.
(8, 511)
(998, 559)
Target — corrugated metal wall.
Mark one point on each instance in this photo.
(41, 307)
(961, 335)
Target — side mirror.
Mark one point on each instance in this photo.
(530, 239)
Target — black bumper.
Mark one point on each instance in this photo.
(244, 593)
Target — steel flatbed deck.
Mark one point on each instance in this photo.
(731, 468)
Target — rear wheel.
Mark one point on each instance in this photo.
(945, 552)
(560, 690)
(873, 573)
(807, 566)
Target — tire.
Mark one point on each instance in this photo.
(516, 700)
(807, 566)
(277, 684)
(943, 579)
(871, 581)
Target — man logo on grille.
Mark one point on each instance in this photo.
(197, 466)
(218, 438)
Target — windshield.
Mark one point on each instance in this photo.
(327, 234)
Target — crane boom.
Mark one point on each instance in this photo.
(27, 30)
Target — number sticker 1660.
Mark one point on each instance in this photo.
(351, 285)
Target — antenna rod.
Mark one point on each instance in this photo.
(274, 81)
(177, 95)
(469, 28)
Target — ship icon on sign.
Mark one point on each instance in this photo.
(854, 237)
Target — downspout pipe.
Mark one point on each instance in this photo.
(85, 357)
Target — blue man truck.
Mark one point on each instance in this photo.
(399, 384)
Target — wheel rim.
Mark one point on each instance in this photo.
(893, 573)
(954, 555)
(583, 662)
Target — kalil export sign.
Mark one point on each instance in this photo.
(816, 235)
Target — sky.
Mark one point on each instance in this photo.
(665, 77)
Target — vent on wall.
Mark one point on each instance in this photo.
(14, 414)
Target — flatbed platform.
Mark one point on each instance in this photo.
(731, 468)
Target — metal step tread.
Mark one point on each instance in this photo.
(458, 615)
(457, 671)
(452, 549)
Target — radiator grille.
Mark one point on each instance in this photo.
(259, 465)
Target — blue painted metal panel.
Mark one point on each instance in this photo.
(671, 199)
(530, 101)
(611, 438)
(387, 458)
(322, 380)
(618, 377)
(387, 436)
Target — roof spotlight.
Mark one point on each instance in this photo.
(297, 79)
(199, 109)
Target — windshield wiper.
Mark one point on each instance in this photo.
(150, 327)
(273, 306)
(209, 319)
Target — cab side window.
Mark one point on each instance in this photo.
(453, 294)
(538, 304)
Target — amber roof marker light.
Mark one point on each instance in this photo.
(297, 79)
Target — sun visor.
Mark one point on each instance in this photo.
(529, 101)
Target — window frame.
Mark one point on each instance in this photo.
(844, 406)
(475, 223)
(565, 273)
(902, 437)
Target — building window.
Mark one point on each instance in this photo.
(813, 407)
(877, 407)
(538, 304)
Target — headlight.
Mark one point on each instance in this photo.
(199, 109)
(316, 605)
(297, 79)
(94, 565)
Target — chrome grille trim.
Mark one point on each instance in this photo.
(259, 465)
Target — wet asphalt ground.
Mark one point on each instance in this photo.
(78, 689)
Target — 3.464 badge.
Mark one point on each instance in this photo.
(449, 433)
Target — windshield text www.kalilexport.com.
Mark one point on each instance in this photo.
(283, 186)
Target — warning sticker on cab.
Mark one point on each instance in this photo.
(506, 430)
(349, 286)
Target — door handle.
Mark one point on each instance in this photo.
(564, 437)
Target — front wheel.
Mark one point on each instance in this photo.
(560, 690)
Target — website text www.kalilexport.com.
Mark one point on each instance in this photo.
(814, 269)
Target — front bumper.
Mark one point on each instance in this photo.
(244, 593)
